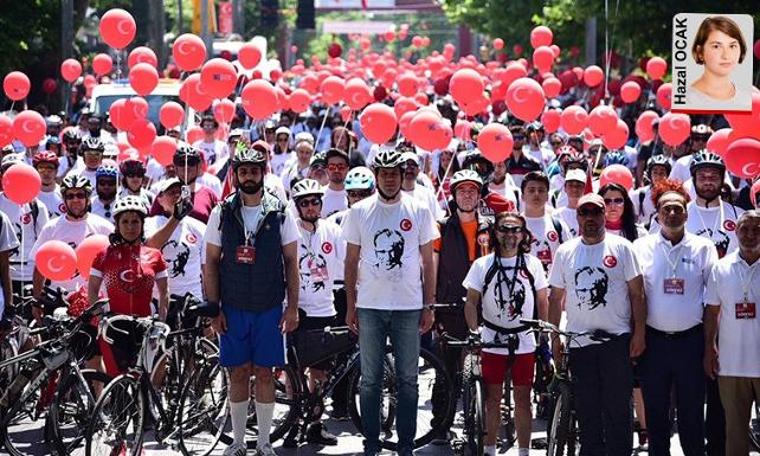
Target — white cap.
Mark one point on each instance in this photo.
(282, 131)
(576, 175)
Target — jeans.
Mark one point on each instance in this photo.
(669, 362)
(375, 327)
(602, 386)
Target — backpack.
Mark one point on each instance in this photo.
(521, 265)
(558, 228)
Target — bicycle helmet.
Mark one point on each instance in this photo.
(45, 156)
(387, 159)
(92, 143)
(359, 178)
(71, 135)
(706, 159)
(465, 175)
(106, 171)
(249, 156)
(76, 181)
(53, 121)
(187, 152)
(53, 141)
(129, 203)
(318, 159)
(615, 158)
(306, 187)
(132, 167)
(534, 126)
(701, 130)
(658, 160)
(10, 160)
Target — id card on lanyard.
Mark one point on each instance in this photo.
(746, 309)
(672, 284)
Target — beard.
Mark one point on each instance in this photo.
(110, 196)
(251, 188)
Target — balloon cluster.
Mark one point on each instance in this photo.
(57, 260)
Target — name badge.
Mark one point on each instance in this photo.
(319, 275)
(745, 310)
(673, 285)
(245, 254)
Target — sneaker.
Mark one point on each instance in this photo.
(236, 449)
(265, 450)
(317, 434)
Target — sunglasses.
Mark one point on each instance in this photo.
(337, 167)
(518, 137)
(92, 152)
(78, 195)
(304, 203)
(595, 212)
(509, 229)
(616, 201)
(359, 193)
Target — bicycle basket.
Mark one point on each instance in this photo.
(312, 346)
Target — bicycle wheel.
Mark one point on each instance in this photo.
(473, 405)
(116, 426)
(8, 350)
(562, 427)
(71, 409)
(430, 369)
(23, 425)
(754, 428)
(203, 408)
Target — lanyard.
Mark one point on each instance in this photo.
(718, 223)
(747, 283)
(667, 252)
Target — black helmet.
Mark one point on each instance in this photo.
(76, 181)
(249, 156)
(71, 135)
(658, 160)
(93, 143)
(186, 152)
(387, 159)
(706, 159)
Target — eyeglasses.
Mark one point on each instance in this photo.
(616, 201)
(359, 193)
(92, 152)
(77, 195)
(337, 167)
(304, 203)
(589, 212)
(509, 229)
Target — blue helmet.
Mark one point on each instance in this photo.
(360, 178)
(106, 171)
(615, 158)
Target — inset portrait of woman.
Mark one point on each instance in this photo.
(719, 47)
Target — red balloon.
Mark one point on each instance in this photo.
(476, 106)
(404, 105)
(513, 72)
(189, 52)
(249, 56)
(357, 94)
(465, 85)
(602, 119)
(118, 28)
(403, 123)
(541, 36)
(56, 260)
(218, 78)
(556, 50)
(142, 54)
(630, 92)
(346, 113)
(171, 115)
(378, 123)
(421, 99)
(16, 85)
(656, 67)
(593, 76)
(300, 100)
(428, 131)
(552, 87)
(332, 89)
(543, 58)
(551, 118)
(259, 99)
(193, 93)
(574, 119)
(163, 149)
(525, 99)
(616, 137)
(71, 69)
(616, 174)
(407, 84)
(194, 134)
(6, 131)
(498, 44)
(49, 86)
(664, 93)
(743, 158)
(224, 110)
(495, 142)
(143, 78)
(462, 129)
(102, 64)
(747, 123)
(417, 41)
(517, 50)
(88, 250)
(335, 50)
(719, 141)
(644, 129)
(21, 183)
(137, 107)
(142, 134)
(674, 128)
(29, 127)
(121, 116)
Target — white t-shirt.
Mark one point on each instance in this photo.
(155, 171)
(570, 217)
(717, 223)
(390, 265)
(333, 201)
(540, 154)
(53, 201)
(8, 241)
(426, 197)
(26, 230)
(274, 185)
(278, 162)
(596, 278)
(642, 205)
(738, 338)
(251, 217)
(546, 238)
(184, 253)
(693, 259)
(212, 182)
(514, 305)
(72, 233)
(680, 169)
(213, 151)
(101, 209)
(320, 255)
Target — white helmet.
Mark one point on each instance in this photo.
(130, 203)
(465, 175)
(306, 187)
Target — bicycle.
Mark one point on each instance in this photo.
(131, 403)
(562, 430)
(49, 378)
(754, 428)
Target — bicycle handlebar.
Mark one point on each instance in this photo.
(107, 323)
(597, 335)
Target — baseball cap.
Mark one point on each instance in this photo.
(591, 198)
(304, 136)
(282, 131)
(576, 175)
(166, 184)
(263, 146)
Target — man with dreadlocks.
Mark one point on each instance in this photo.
(509, 285)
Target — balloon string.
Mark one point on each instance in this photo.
(343, 132)
(324, 121)
(439, 193)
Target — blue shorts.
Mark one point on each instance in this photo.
(253, 337)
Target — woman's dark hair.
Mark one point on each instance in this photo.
(721, 24)
(630, 231)
(340, 132)
(525, 244)
(116, 238)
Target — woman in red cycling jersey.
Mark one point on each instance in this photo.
(130, 271)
